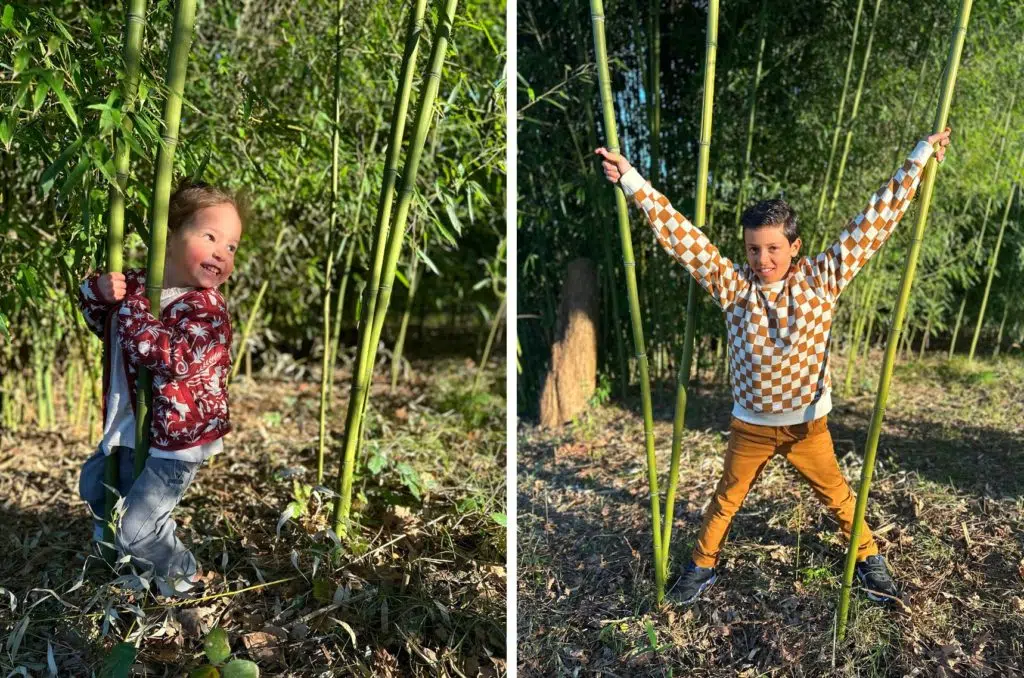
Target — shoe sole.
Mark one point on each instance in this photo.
(703, 587)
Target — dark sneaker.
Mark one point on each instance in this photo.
(873, 575)
(691, 583)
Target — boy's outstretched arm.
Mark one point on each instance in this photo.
(686, 243)
(868, 231)
(199, 339)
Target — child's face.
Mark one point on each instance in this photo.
(769, 253)
(202, 252)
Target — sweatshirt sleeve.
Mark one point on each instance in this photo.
(94, 309)
(865, 233)
(683, 241)
(196, 342)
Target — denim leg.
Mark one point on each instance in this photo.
(90, 481)
(147, 529)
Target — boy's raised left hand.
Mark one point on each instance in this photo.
(614, 164)
(939, 142)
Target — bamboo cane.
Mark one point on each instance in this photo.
(993, 260)
(371, 334)
(1002, 326)
(135, 24)
(396, 352)
(853, 113)
(496, 321)
(683, 378)
(254, 311)
(839, 113)
(177, 65)
(751, 118)
(956, 327)
(329, 263)
(995, 174)
(612, 139)
(875, 430)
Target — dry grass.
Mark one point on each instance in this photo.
(418, 591)
(947, 501)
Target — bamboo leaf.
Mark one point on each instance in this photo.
(58, 88)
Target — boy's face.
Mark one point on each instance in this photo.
(769, 253)
(202, 252)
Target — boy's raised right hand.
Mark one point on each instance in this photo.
(614, 164)
(112, 287)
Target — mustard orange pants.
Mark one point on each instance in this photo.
(808, 447)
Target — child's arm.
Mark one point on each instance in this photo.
(197, 341)
(686, 243)
(96, 295)
(866, 232)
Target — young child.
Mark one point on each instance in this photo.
(778, 312)
(186, 346)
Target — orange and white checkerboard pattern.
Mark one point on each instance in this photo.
(780, 334)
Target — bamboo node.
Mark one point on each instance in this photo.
(172, 141)
(629, 263)
(597, 17)
(136, 19)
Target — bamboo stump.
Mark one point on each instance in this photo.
(571, 380)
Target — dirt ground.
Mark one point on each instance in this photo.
(947, 504)
(419, 590)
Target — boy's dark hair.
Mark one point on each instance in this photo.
(191, 196)
(772, 213)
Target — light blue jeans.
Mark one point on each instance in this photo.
(146, 531)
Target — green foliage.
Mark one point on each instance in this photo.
(216, 646)
(119, 662)
(218, 651)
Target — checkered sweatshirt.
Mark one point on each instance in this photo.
(779, 333)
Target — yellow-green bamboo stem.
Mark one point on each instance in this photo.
(496, 321)
(839, 114)
(181, 42)
(1002, 326)
(700, 203)
(853, 113)
(875, 430)
(377, 309)
(612, 142)
(243, 343)
(956, 326)
(751, 118)
(995, 175)
(992, 261)
(396, 352)
(325, 364)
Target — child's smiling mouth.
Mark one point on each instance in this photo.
(215, 270)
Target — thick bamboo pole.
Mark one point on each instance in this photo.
(875, 430)
(839, 113)
(329, 259)
(751, 118)
(370, 336)
(700, 203)
(177, 65)
(612, 142)
(136, 23)
(992, 262)
(853, 113)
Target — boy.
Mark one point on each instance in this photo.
(778, 312)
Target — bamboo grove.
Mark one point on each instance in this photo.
(818, 110)
(103, 111)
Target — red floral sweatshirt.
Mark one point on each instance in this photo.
(187, 350)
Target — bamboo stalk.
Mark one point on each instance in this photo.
(177, 65)
(1002, 326)
(683, 378)
(993, 260)
(396, 352)
(329, 263)
(496, 321)
(853, 113)
(956, 327)
(995, 174)
(254, 311)
(839, 113)
(875, 430)
(751, 118)
(612, 139)
(377, 310)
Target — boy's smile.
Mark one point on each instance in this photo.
(769, 252)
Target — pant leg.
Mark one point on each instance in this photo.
(147, 531)
(812, 454)
(93, 475)
(750, 448)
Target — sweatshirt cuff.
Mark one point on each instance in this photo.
(631, 182)
(922, 152)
